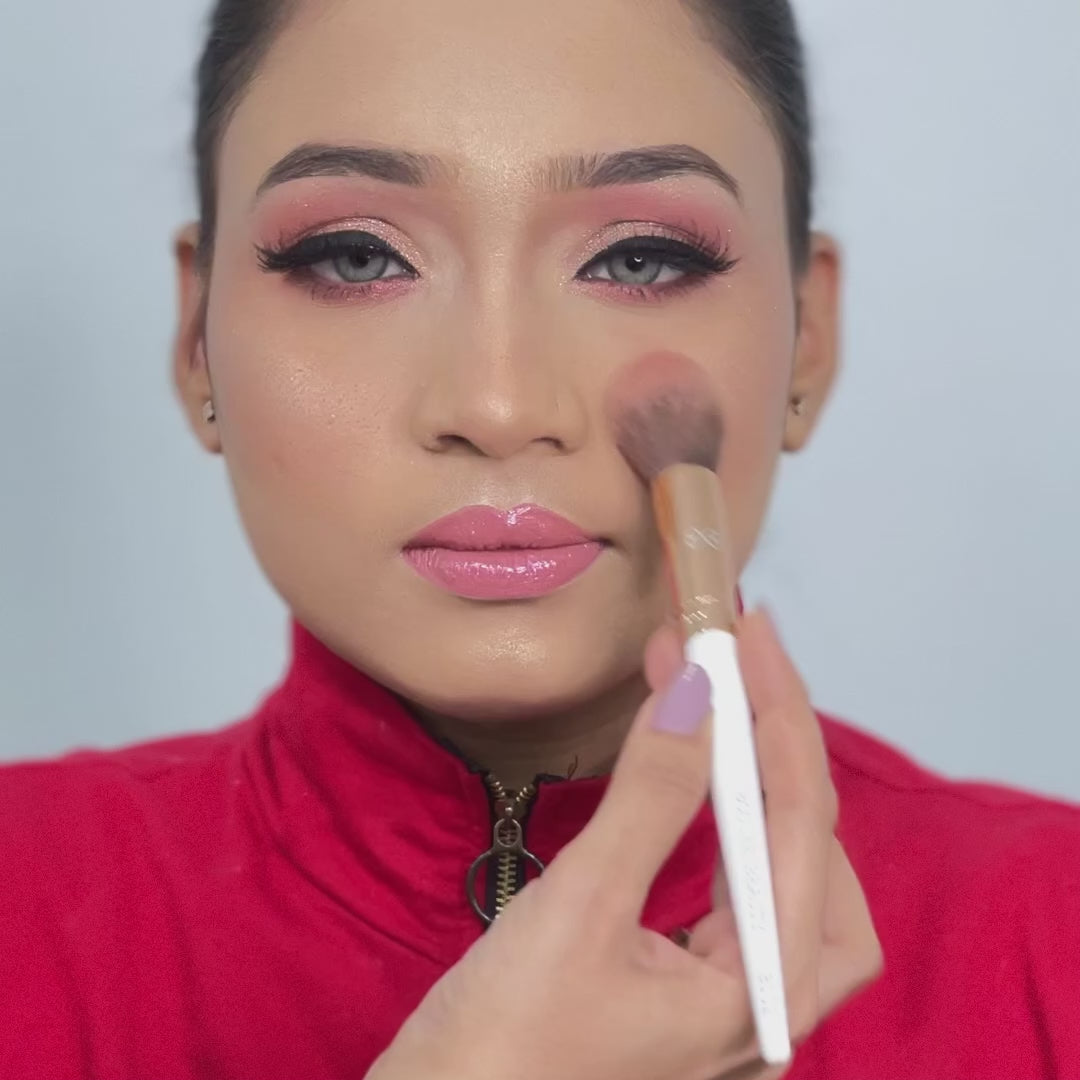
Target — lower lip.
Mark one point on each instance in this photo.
(509, 574)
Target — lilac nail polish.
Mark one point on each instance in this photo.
(685, 703)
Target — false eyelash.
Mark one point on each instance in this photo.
(321, 247)
(690, 250)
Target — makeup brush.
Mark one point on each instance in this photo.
(670, 431)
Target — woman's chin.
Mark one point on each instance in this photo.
(514, 679)
(486, 661)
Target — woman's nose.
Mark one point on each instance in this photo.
(497, 393)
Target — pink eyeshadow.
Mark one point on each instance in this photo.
(300, 206)
(674, 206)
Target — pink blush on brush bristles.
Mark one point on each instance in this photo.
(662, 409)
(657, 374)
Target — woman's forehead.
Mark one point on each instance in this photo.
(498, 89)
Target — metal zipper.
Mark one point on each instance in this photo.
(507, 848)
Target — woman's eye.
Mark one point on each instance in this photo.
(635, 269)
(358, 265)
(641, 262)
(342, 258)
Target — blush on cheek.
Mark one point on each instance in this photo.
(746, 395)
(656, 373)
(654, 391)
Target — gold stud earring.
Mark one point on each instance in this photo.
(208, 412)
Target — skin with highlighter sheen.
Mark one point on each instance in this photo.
(419, 292)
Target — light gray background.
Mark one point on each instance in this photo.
(921, 557)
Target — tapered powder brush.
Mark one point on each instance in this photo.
(670, 431)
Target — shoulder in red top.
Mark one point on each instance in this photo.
(274, 899)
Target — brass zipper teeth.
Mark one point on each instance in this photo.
(506, 876)
(507, 849)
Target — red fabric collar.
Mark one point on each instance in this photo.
(384, 820)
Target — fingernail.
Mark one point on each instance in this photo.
(683, 706)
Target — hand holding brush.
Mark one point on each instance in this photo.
(568, 985)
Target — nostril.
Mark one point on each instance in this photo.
(447, 443)
(450, 443)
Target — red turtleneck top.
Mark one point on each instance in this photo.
(271, 901)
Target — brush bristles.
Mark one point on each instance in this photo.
(671, 429)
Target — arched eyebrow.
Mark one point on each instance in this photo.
(379, 163)
(568, 172)
(638, 165)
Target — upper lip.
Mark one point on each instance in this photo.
(487, 528)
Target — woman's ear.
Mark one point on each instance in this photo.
(817, 345)
(191, 373)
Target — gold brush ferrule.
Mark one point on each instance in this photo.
(692, 520)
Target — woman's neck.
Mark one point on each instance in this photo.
(578, 742)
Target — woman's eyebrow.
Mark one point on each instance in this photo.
(568, 172)
(638, 165)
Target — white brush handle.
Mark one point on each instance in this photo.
(740, 816)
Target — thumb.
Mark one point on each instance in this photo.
(663, 656)
(657, 787)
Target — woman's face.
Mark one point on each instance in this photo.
(453, 349)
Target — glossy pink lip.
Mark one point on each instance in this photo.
(483, 553)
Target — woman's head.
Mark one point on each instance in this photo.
(430, 240)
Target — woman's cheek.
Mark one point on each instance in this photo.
(752, 384)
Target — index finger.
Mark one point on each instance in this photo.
(658, 785)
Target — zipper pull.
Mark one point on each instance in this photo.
(507, 846)
(508, 838)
